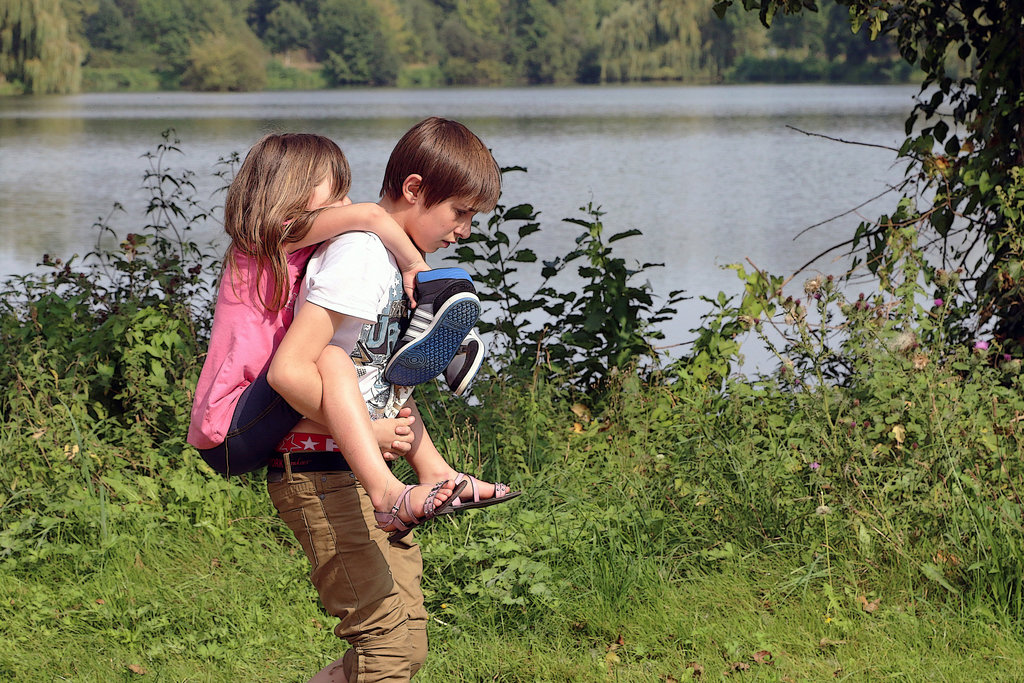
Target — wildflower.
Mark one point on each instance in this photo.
(939, 303)
(815, 465)
(811, 286)
(904, 342)
(920, 361)
(981, 345)
(822, 510)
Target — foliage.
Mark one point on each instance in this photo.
(350, 41)
(963, 139)
(438, 42)
(119, 79)
(104, 342)
(881, 415)
(582, 330)
(36, 51)
(281, 76)
(287, 28)
(223, 63)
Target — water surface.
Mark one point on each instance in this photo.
(711, 175)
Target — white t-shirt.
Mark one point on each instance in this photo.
(353, 274)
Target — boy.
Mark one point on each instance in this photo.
(438, 177)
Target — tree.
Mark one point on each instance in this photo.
(351, 43)
(225, 63)
(172, 30)
(107, 28)
(654, 40)
(544, 49)
(287, 28)
(965, 186)
(36, 49)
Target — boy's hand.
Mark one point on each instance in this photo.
(409, 279)
(394, 435)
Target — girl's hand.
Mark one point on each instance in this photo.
(409, 279)
(395, 435)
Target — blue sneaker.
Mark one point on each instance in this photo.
(447, 308)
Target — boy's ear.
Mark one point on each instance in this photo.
(412, 187)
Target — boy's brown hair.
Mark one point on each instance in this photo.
(265, 208)
(452, 161)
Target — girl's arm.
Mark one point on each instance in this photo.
(367, 217)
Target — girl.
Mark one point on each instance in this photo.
(289, 194)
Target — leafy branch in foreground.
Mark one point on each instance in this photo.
(964, 141)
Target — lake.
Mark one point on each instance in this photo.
(710, 175)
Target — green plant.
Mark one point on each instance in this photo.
(582, 329)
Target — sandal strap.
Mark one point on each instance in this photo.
(462, 476)
(500, 490)
(428, 505)
(391, 518)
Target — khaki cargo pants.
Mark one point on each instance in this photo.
(371, 584)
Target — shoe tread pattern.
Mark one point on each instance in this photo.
(426, 358)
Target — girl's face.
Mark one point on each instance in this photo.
(321, 196)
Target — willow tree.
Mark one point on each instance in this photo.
(655, 40)
(36, 50)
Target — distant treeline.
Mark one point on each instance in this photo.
(68, 45)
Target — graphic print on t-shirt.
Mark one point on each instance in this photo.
(372, 350)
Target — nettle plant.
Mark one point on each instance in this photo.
(581, 332)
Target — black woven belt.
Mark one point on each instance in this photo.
(312, 461)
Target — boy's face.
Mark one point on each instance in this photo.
(441, 225)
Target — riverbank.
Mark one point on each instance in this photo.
(854, 513)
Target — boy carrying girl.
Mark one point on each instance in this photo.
(364, 567)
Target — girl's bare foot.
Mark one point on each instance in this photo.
(410, 503)
(484, 489)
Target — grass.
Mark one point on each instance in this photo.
(183, 605)
(663, 541)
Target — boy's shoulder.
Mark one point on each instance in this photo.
(357, 248)
(350, 241)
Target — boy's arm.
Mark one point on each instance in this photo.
(367, 217)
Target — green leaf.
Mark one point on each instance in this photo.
(934, 573)
(524, 256)
(623, 235)
(519, 212)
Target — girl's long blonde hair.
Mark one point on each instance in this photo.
(266, 205)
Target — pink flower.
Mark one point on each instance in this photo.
(815, 465)
(981, 345)
(939, 302)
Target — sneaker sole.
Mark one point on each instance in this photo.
(427, 357)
